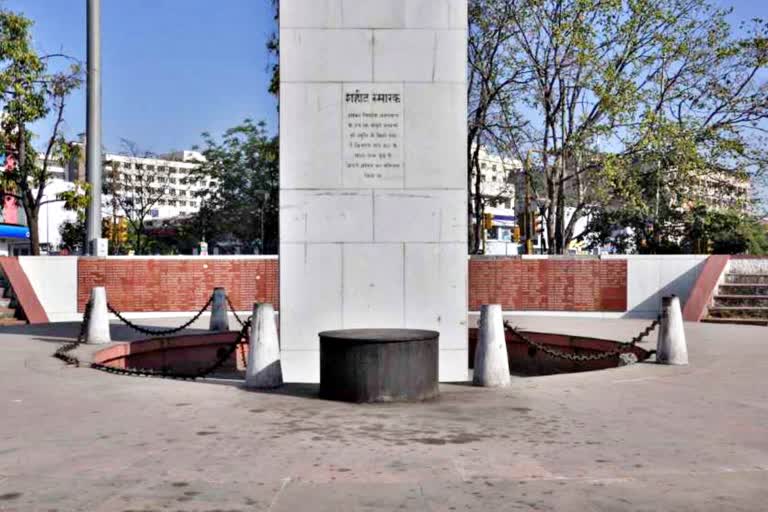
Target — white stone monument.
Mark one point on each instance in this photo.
(372, 174)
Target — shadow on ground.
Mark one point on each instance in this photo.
(66, 331)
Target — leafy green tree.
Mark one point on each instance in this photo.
(726, 232)
(241, 202)
(29, 91)
(616, 95)
(699, 229)
(73, 233)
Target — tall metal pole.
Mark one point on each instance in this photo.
(93, 126)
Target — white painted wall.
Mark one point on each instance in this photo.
(53, 214)
(651, 277)
(54, 279)
(362, 252)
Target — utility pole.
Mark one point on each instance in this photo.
(93, 127)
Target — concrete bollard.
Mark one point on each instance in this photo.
(264, 370)
(671, 347)
(491, 363)
(219, 317)
(97, 330)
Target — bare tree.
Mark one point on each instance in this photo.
(494, 79)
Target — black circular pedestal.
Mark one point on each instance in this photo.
(379, 365)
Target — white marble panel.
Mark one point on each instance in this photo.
(374, 13)
(450, 56)
(300, 365)
(373, 285)
(454, 365)
(326, 216)
(420, 216)
(436, 291)
(310, 142)
(435, 127)
(436, 14)
(310, 290)
(310, 13)
(373, 135)
(420, 55)
(326, 55)
(404, 55)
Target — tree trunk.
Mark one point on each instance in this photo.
(560, 221)
(552, 213)
(470, 213)
(29, 210)
(34, 235)
(478, 207)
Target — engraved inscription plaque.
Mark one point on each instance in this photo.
(373, 135)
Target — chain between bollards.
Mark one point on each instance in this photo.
(160, 332)
(234, 312)
(167, 373)
(63, 351)
(620, 349)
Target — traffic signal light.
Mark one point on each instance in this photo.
(106, 228)
(121, 234)
(537, 225)
(488, 220)
(516, 234)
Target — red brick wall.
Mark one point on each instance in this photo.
(185, 284)
(161, 284)
(548, 284)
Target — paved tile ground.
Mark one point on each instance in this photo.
(639, 438)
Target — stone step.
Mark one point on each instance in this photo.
(759, 312)
(746, 278)
(741, 300)
(6, 303)
(7, 313)
(740, 321)
(743, 289)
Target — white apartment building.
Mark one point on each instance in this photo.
(499, 181)
(167, 181)
(169, 175)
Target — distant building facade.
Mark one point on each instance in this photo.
(499, 181)
(169, 176)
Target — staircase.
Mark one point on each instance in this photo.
(9, 308)
(741, 299)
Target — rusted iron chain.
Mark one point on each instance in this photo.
(620, 348)
(224, 354)
(234, 312)
(63, 351)
(645, 332)
(159, 332)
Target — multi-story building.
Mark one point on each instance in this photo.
(499, 179)
(167, 185)
(721, 189)
(170, 191)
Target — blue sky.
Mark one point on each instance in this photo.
(171, 68)
(175, 68)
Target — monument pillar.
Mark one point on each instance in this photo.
(372, 174)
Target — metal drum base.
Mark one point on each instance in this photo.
(379, 365)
